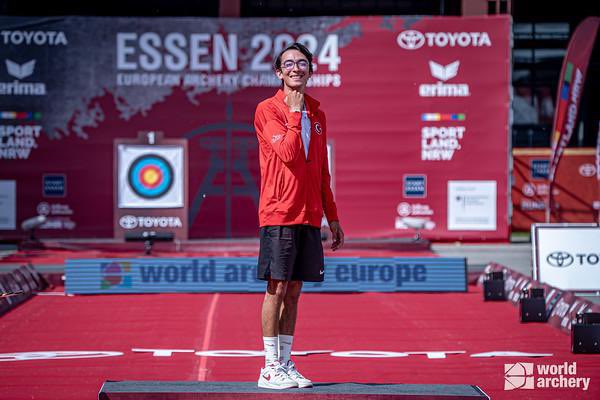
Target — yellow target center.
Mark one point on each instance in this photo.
(151, 176)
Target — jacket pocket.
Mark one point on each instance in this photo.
(279, 182)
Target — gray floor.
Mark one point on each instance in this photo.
(341, 389)
(516, 256)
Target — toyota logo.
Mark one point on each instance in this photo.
(410, 40)
(128, 222)
(587, 170)
(560, 259)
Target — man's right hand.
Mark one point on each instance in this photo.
(295, 101)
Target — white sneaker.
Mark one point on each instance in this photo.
(273, 376)
(292, 372)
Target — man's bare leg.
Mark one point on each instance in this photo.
(272, 302)
(274, 297)
(273, 376)
(287, 326)
(287, 320)
(289, 308)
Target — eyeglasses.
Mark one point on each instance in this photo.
(288, 65)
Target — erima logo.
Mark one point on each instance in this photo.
(21, 71)
(441, 89)
(444, 72)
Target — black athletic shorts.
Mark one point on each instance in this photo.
(291, 253)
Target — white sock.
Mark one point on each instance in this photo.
(270, 349)
(285, 348)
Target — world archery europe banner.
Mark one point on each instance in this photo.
(417, 118)
(238, 274)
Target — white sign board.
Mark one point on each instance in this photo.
(8, 205)
(567, 256)
(150, 176)
(471, 205)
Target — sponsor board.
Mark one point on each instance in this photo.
(574, 191)
(199, 69)
(35, 38)
(414, 186)
(441, 88)
(54, 185)
(58, 216)
(140, 221)
(413, 39)
(8, 204)
(416, 216)
(567, 256)
(21, 71)
(440, 143)
(167, 275)
(17, 141)
(540, 168)
(472, 205)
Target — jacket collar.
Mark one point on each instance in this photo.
(311, 103)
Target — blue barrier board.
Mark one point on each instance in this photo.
(238, 274)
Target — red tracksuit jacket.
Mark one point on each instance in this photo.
(294, 189)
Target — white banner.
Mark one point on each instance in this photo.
(8, 204)
(472, 205)
(150, 176)
(567, 256)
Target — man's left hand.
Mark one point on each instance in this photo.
(337, 235)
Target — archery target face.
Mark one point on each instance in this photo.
(150, 176)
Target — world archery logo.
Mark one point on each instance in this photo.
(115, 275)
(518, 376)
(150, 176)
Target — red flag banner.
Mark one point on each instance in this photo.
(570, 90)
(597, 202)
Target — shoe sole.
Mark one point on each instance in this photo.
(276, 387)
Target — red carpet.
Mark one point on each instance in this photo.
(341, 322)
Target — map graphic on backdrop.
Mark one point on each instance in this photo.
(404, 96)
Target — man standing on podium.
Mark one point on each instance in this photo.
(295, 191)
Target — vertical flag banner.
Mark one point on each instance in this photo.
(597, 202)
(570, 90)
